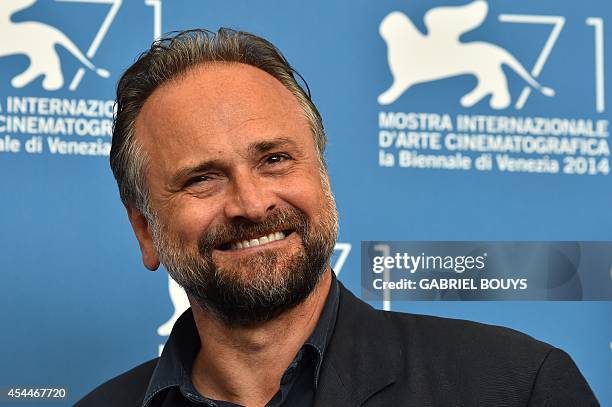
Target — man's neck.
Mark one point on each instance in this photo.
(245, 365)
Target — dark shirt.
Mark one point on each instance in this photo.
(380, 359)
(171, 379)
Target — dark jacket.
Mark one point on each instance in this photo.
(378, 358)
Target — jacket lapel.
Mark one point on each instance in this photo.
(358, 362)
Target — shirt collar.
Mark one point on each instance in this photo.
(175, 363)
(325, 326)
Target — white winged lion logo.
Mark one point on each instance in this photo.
(416, 58)
(37, 41)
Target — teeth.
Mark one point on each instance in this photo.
(259, 241)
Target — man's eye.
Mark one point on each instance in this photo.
(276, 158)
(198, 179)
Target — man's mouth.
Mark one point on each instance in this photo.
(255, 241)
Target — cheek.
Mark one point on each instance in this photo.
(306, 195)
(190, 219)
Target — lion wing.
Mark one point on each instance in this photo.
(452, 22)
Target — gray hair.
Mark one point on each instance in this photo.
(166, 60)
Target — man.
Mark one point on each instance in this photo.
(218, 154)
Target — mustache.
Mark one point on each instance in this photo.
(286, 220)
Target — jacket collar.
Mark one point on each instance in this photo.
(358, 362)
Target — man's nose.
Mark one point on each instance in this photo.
(249, 198)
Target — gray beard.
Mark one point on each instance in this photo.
(260, 287)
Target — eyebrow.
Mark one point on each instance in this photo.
(267, 145)
(253, 149)
(185, 172)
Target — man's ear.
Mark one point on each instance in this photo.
(142, 230)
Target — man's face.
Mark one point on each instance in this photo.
(244, 218)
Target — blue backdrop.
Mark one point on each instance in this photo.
(437, 131)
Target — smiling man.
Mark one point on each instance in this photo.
(218, 154)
